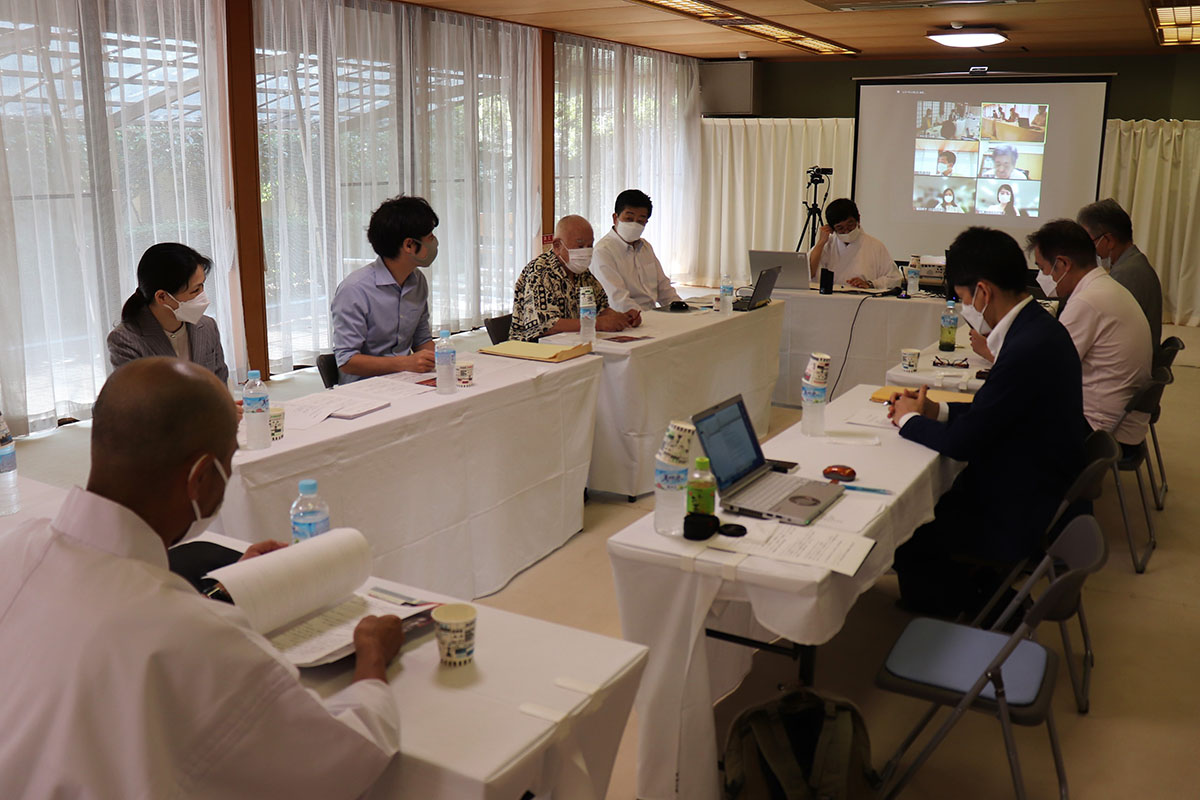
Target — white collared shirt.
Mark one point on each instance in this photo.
(630, 274)
(866, 258)
(121, 681)
(1112, 336)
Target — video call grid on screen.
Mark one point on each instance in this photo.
(1001, 153)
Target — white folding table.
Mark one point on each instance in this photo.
(669, 589)
(456, 492)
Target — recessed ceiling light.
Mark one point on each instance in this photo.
(968, 37)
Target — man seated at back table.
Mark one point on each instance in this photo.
(546, 295)
(1112, 233)
(381, 311)
(856, 258)
(625, 263)
(120, 679)
(1022, 437)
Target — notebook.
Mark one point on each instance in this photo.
(745, 481)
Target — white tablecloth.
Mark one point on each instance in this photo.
(667, 587)
(37, 500)
(692, 361)
(457, 492)
(950, 378)
(815, 322)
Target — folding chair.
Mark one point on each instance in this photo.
(1101, 451)
(1165, 357)
(1133, 457)
(498, 328)
(327, 368)
(1007, 676)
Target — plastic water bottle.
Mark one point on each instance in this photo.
(587, 316)
(10, 498)
(670, 496)
(949, 333)
(812, 421)
(444, 357)
(310, 514)
(913, 274)
(726, 293)
(256, 411)
(702, 489)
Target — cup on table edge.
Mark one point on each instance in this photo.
(455, 633)
(275, 420)
(910, 359)
(464, 373)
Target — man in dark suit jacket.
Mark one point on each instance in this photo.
(1022, 437)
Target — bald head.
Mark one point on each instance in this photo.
(574, 231)
(153, 418)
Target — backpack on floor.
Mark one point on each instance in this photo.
(803, 746)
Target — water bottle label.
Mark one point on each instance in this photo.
(727, 290)
(587, 312)
(256, 404)
(949, 320)
(670, 478)
(307, 530)
(444, 358)
(8, 458)
(813, 394)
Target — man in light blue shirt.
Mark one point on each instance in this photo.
(381, 312)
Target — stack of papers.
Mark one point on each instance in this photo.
(538, 351)
(839, 552)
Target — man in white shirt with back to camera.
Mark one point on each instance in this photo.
(625, 263)
(120, 679)
(856, 258)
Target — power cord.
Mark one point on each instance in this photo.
(849, 339)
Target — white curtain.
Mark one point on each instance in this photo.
(752, 187)
(110, 141)
(362, 100)
(627, 118)
(1152, 168)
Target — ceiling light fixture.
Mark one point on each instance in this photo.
(967, 37)
(1175, 24)
(735, 20)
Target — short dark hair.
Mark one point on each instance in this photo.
(1107, 216)
(396, 221)
(951, 159)
(985, 254)
(840, 210)
(167, 266)
(1063, 237)
(633, 198)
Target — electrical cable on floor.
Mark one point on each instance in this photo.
(849, 339)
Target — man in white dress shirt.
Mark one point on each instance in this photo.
(856, 258)
(625, 263)
(1106, 323)
(120, 679)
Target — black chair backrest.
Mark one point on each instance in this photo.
(1148, 399)
(327, 367)
(498, 328)
(1101, 451)
(1165, 356)
(1082, 549)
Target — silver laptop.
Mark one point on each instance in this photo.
(744, 479)
(794, 274)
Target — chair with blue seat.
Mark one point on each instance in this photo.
(1008, 676)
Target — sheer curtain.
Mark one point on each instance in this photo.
(1152, 168)
(752, 186)
(108, 143)
(362, 100)
(628, 118)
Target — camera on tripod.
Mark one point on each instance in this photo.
(815, 174)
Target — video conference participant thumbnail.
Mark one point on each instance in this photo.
(856, 258)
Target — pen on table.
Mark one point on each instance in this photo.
(388, 596)
(870, 489)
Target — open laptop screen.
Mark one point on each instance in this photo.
(729, 442)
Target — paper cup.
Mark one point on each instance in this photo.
(817, 371)
(455, 633)
(910, 358)
(677, 443)
(464, 373)
(276, 422)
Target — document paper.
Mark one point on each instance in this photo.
(839, 552)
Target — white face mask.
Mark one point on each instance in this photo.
(629, 232)
(580, 259)
(851, 237)
(974, 317)
(200, 524)
(1105, 262)
(192, 310)
(1048, 284)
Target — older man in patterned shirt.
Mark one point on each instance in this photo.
(546, 296)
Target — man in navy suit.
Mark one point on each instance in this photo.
(1022, 437)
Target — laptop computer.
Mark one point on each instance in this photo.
(746, 483)
(795, 267)
(763, 286)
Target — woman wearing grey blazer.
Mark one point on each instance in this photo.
(165, 315)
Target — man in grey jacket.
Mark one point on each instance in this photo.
(1112, 231)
